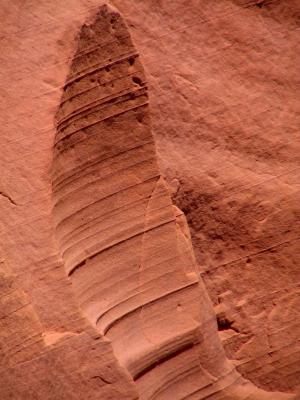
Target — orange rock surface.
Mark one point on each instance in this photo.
(102, 296)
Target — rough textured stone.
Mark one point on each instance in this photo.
(225, 103)
(124, 247)
(224, 95)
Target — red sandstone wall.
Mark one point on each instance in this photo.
(223, 80)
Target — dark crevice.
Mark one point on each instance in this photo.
(131, 60)
(100, 378)
(137, 81)
(225, 324)
(140, 118)
(162, 360)
(8, 198)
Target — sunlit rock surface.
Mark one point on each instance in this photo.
(92, 247)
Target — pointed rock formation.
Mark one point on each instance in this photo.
(125, 247)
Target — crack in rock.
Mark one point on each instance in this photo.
(8, 198)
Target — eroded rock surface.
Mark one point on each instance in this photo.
(224, 91)
(225, 104)
(125, 248)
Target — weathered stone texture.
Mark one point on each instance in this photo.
(92, 247)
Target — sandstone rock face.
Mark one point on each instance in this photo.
(93, 248)
(125, 247)
(224, 91)
(225, 104)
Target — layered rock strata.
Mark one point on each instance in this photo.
(125, 247)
